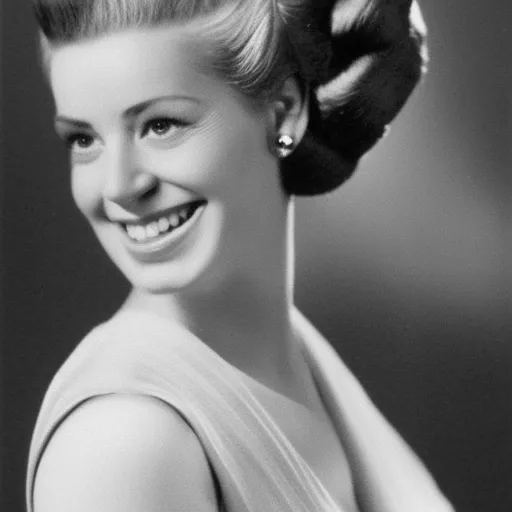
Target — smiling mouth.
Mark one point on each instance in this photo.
(162, 225)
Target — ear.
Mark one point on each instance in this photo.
(289, 111)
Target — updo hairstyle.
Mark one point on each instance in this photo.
(357, 60)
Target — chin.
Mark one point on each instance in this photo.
(165, 280)
(188, 268)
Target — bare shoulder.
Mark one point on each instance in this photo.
(124, 452)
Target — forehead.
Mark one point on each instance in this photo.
(128, 67)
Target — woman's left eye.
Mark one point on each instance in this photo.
(160, 128)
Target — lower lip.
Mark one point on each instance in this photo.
(153, 251)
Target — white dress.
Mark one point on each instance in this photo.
(257, 468)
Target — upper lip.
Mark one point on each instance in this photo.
(157, 215)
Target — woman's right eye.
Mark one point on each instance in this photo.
(80, 142)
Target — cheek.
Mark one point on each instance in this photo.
(86, 190)
(220, 158)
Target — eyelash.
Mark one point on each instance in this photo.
(167, 121)
(74, 137)
(71, 139)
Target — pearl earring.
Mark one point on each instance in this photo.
(284, 145)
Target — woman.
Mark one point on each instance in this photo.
(190, 126)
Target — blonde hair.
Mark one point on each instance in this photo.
(359, 60)
(247, 40)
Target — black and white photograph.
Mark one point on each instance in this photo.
(256, 256)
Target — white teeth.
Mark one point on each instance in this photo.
(131, 231)
(163, 224)
(158, 227)
(152, 230)
(174, 220)
(140, 233)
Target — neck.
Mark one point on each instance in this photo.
(246, 319)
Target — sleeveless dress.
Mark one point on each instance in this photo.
(256, 466)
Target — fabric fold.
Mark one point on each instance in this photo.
(257, 467)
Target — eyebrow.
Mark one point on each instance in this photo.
(129, 112)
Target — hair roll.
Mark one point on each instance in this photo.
(377, 54)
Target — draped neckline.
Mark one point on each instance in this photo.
(255, 386)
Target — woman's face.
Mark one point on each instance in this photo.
(170, 166)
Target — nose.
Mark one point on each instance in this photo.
(126, 180)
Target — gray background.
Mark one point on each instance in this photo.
(406, 269)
